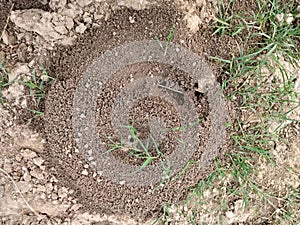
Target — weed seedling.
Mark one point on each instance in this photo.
(139, 150)
(37, 86)
(36, 114)
(168, 40)
(4, 80)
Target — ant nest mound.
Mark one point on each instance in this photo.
(135, 125)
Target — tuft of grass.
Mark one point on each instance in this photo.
(184, 169)
(251, 75)
(37, 85)
(37, 90)
(36, 113)
(262, 29)
(4, 80)
(139, 150)
(165, 214)
(291, 207)
(168, 40)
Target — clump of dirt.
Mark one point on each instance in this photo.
(197, 13)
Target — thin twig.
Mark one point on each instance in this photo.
(7, 19)
(18, 190)
(170, 89)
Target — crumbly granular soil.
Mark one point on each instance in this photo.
(94, 191)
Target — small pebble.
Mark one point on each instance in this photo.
(85, 172)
